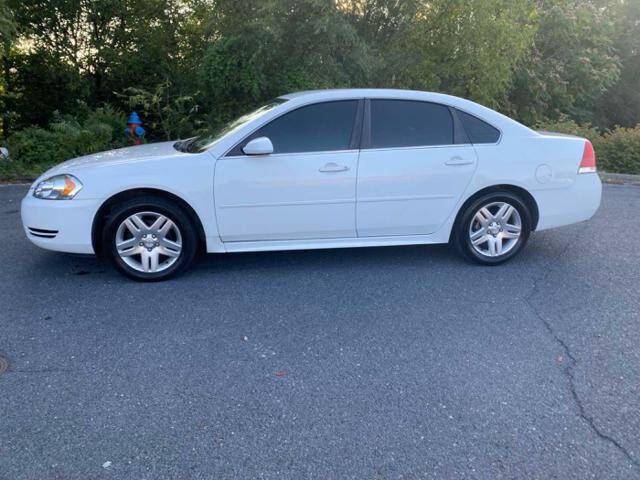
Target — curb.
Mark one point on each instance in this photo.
(619, 178)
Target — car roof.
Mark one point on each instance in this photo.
(499, 120)
(360, 92)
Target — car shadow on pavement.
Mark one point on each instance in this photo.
(343, 258)
(375, 259)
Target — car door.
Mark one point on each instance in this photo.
(413, 168)
(305, 189)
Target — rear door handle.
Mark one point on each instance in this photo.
(458, 162)
(333, 167)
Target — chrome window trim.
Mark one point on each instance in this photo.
(417, 147)
(293, 154)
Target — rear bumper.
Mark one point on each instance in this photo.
(60, 225)
(565, 206)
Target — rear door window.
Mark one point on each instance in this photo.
(406, 123)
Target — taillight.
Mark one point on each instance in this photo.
(588, 162)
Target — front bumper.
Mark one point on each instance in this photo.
(60, 225)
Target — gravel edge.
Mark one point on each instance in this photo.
(620, 178)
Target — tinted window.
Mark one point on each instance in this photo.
(477, 130)
(316, 128)
(401, 123)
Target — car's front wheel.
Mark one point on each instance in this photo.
(149, 238)
(493, 228)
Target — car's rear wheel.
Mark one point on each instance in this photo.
(149, 238)
(493, 228)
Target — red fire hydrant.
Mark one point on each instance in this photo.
(134, 130)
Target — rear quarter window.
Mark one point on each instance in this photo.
(478, 130)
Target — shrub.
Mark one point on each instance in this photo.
(572, 128)
(620, 151)
(34, 149)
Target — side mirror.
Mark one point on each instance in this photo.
(258, 146)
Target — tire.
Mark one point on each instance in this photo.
(149, 238)
(494, 235)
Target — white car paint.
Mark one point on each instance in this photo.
(286, 197)
(329, 199)
(411, 191)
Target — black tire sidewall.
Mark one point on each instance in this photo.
(164, 207)
(463, 242)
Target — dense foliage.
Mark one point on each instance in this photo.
(620, 150)
(186, 65)
(34, 148)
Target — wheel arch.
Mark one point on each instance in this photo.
(521, 192)
(105, 209)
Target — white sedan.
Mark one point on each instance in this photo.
(320, 169)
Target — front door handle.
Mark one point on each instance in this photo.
(333, 167)
(458, 162)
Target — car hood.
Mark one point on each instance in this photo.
(122, 155)
(139, 153)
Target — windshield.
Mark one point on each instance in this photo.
(203, 142)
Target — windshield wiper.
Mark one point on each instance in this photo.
(185, 145)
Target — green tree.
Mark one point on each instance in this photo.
(7, 26)
(572, 62)
(620, 104)
(469, 48)
(385, 27)
(189, 63)
(86, 51)
(7, 34)
(267, 48)
(466, 48)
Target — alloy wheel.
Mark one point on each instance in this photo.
(148, 242)
(495, 229)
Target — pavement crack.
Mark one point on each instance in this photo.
(569, 374)
(568, 370)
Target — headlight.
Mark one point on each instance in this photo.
(60, 187)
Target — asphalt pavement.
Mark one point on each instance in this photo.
(374, 363)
